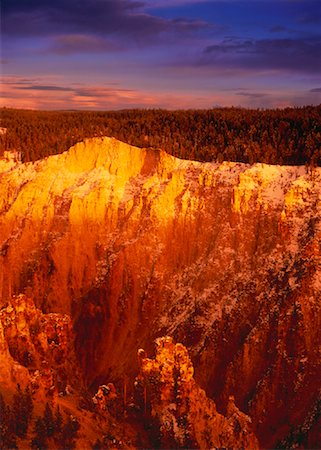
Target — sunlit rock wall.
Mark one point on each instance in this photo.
(136, 244)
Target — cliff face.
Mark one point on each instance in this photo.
(134, 244)
(186, 418)
(36, 348)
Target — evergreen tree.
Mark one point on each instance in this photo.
(21, 420)
(39, 442)
(22, 408)
(58, 420)
(28, 402)
(69, 432)
(7, 437)
(289, 136)
(49, 422)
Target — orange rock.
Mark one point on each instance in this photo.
(186, 417)
(133, 244)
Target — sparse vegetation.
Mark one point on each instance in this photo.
(22, 409)
(15, 419)
(48, 431)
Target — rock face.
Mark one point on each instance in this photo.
(134, 244)
(185, 417)
(35, 348)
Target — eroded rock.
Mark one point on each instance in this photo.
(186, 417)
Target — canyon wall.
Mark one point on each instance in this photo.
(134, 244)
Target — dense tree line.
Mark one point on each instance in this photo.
(287, 136)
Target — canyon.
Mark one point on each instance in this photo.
(110, 247)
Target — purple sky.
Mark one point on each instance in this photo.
(112, 54)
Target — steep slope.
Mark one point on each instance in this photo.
(37, 354)
(135, 244)
(186, 418)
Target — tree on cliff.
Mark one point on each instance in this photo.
(39, 442)
(7, 436)
(58, 420)
(49, 421)
(69, 433)
(22, 408)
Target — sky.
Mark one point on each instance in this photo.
(174, 54)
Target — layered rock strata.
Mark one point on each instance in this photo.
(135, 244)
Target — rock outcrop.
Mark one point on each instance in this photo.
(134, 244)
(36, 348)
(185, 417)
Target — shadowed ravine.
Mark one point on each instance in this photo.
(135, 244)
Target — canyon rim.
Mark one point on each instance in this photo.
(107, 247)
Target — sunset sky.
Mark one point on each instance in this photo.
(113, 54)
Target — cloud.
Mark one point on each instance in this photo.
(176, 3)
(36, 94)
(172, 3)
(104, 18)
(252, 94)
(277, 29)
(316, 90)
(19, 93)
(81, 43)
(301, 55)
(39, 87)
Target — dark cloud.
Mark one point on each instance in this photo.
(271, 54)
(189, 24)
(14, 6)
(80, 90)
(19, 81)
(39, 95)
(114, 18)
(277, 29)
(39, 87)
(252, 94)
(315, 90)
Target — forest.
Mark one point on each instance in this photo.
(290, 136)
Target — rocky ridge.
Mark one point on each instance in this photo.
(134, 244)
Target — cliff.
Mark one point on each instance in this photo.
(36, 348)
(185, 417)
(134, 244)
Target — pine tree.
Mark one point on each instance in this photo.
(69, 432)
(7, 437)
(39, 442)
(49, 421)
(21, 421)
(58, 421)
(28, 402)
(22, 410)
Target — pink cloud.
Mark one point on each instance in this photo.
(43, 94)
